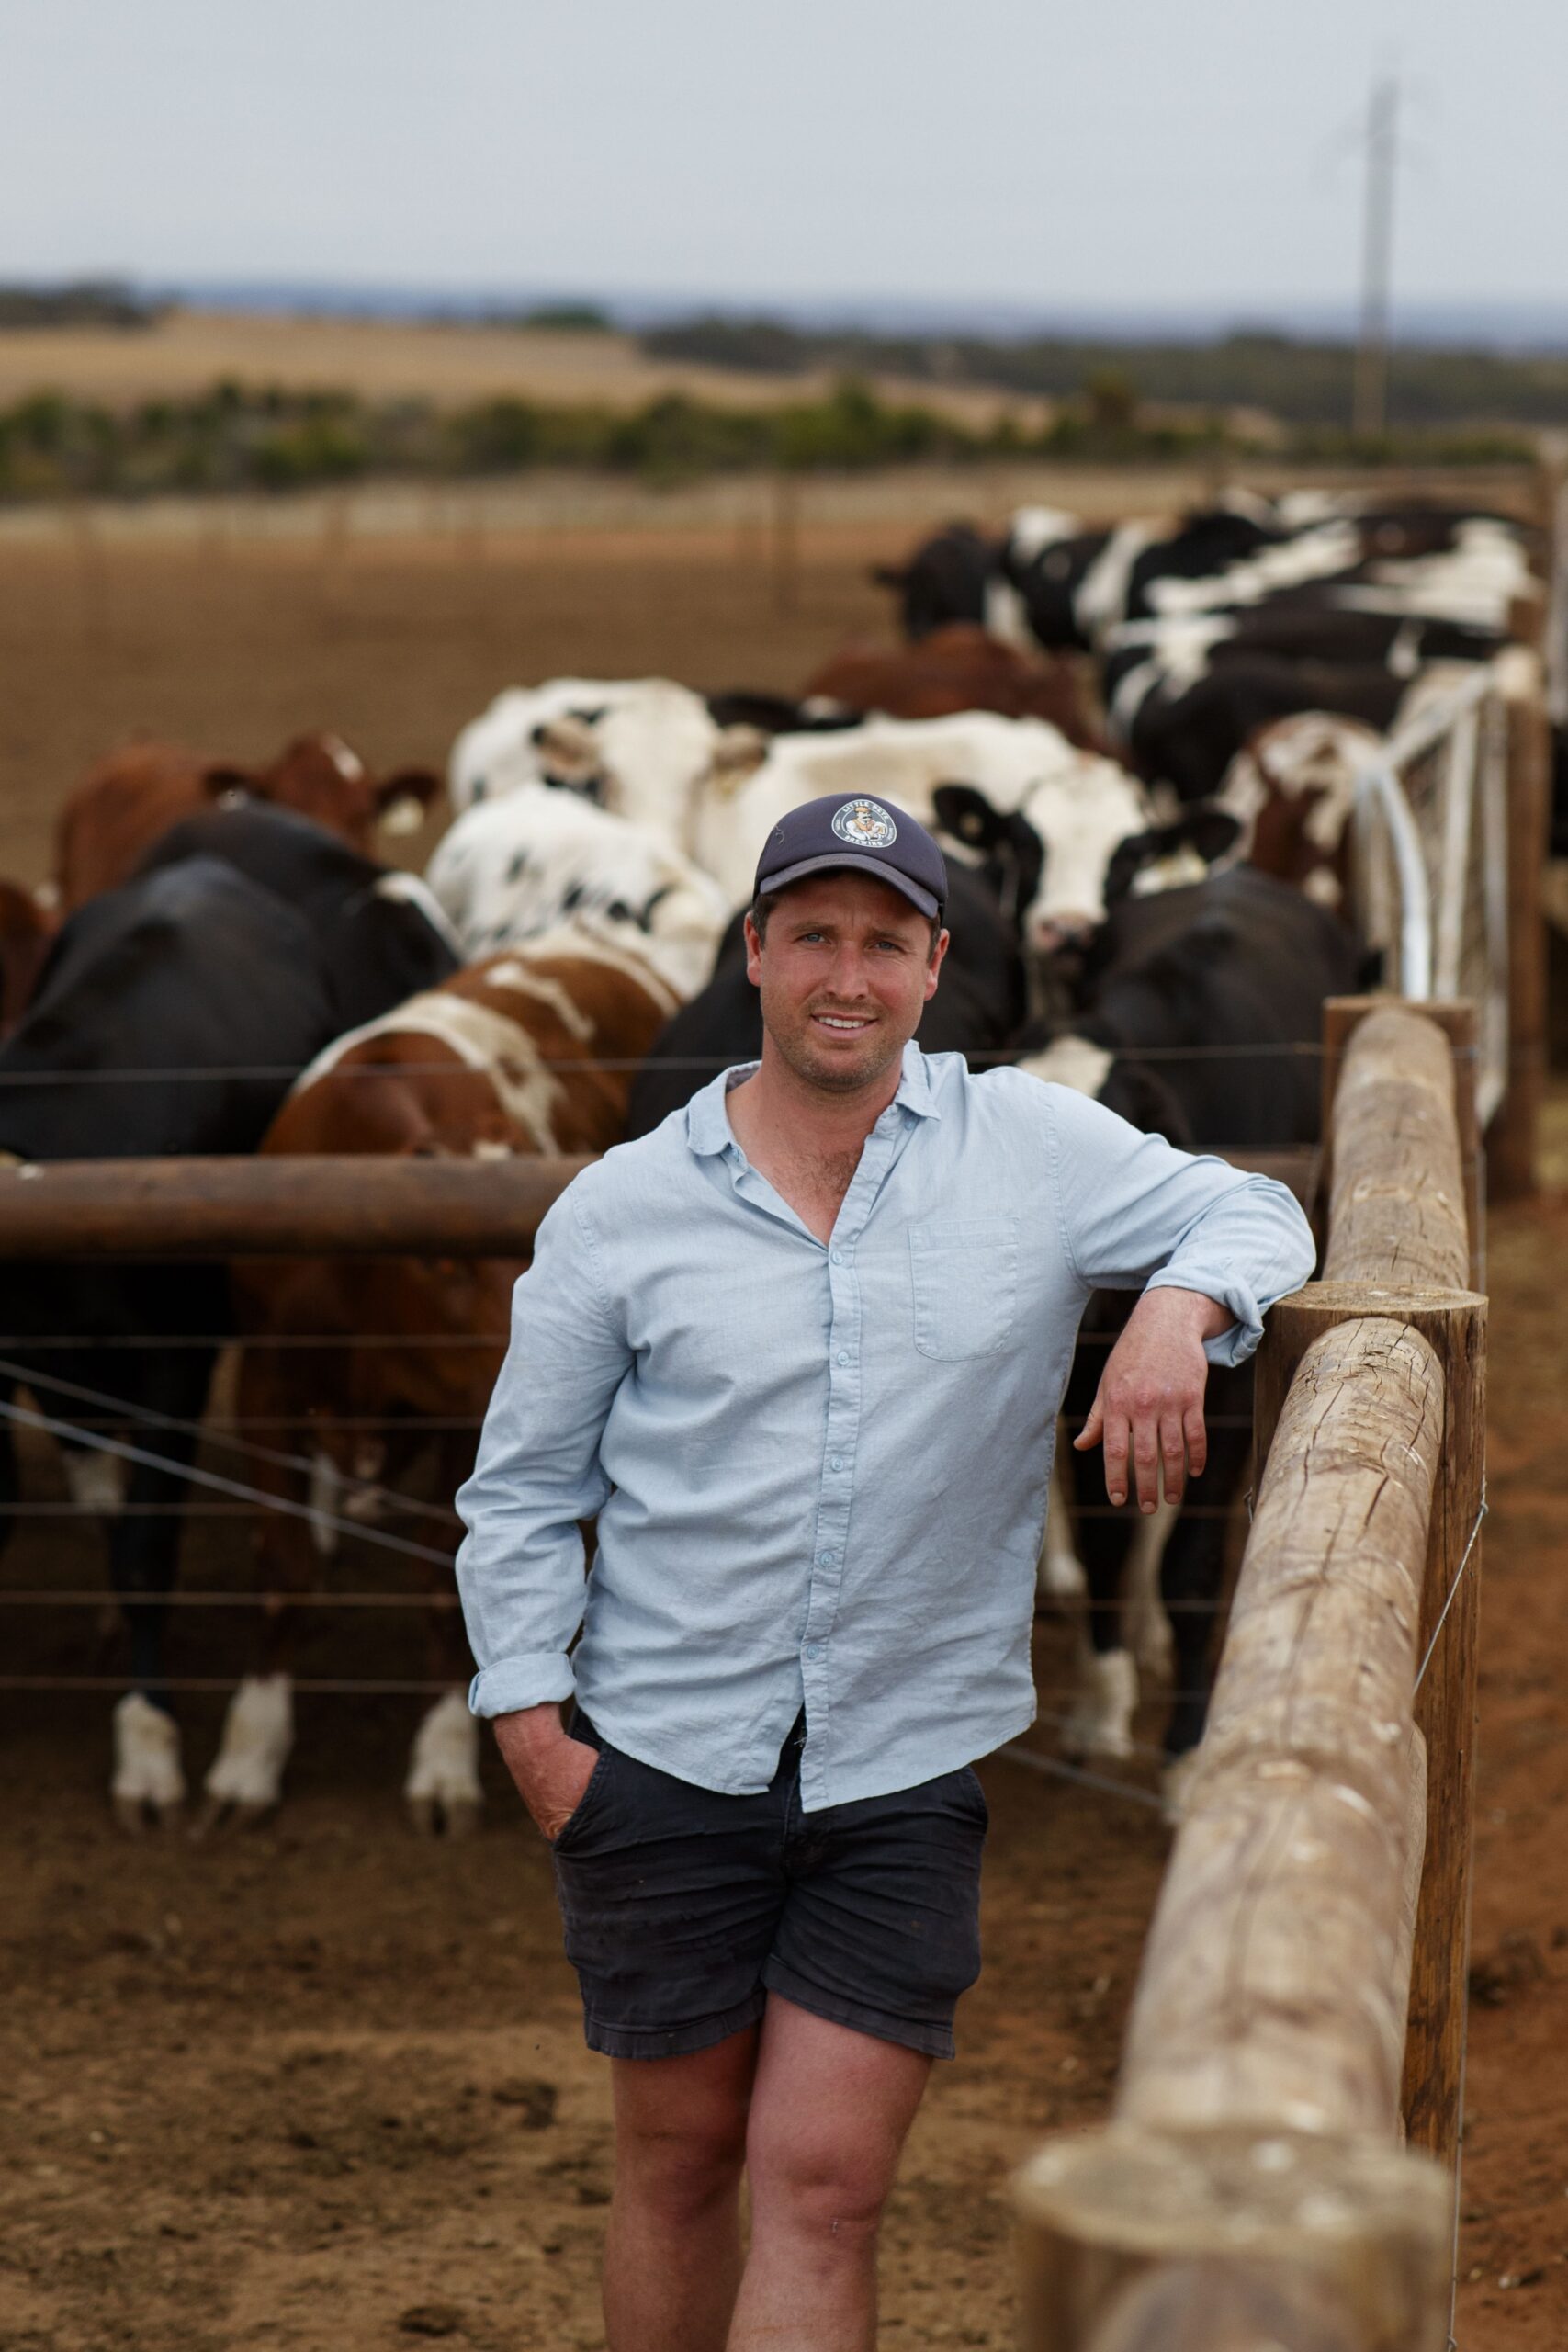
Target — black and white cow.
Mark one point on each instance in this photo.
(513, 869)
(1073, 585)
(215, 990)
(640, 747)
(1073, 826)
(978, 1006)
(1200, 1002)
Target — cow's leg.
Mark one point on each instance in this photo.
(1100, 1722)
(442, 1790)
(1145, 1626)
(1058, 1576)
(1193, 1574)
(244, 1781)
(147, 1781)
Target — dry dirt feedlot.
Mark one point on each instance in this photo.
(323, 2086)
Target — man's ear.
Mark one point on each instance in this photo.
(933, 968)
(753, 953)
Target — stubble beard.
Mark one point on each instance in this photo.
(795, 1048)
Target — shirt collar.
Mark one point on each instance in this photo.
(707, 1122)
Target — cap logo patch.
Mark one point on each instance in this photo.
(864, 824)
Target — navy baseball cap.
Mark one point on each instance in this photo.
(864, 836)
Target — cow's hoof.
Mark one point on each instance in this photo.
(442, 1791)
(1100, 1723)
(245, 1783)
(149, 1785)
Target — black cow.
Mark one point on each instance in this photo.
(979, 1005)
(171, 1018)
(948, 578)
(1239, 962)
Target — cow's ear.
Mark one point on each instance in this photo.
(966, 813)
(217, 782)
(888, 575)
(1210, 832)
(403, 800)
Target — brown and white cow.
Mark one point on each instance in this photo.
(131, 798)
(492, 1063)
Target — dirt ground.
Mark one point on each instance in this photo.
(323, 2086)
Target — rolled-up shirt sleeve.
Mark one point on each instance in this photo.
(520, 1567)
(1136, 1213)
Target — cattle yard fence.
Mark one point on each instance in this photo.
(1282, 2162)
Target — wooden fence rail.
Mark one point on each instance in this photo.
(1302, 1996)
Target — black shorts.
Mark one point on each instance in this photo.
(684, 1908)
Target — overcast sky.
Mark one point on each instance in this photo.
(1112, 152)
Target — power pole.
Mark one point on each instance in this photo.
(1369, 412)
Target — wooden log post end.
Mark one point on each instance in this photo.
(1344, 2239)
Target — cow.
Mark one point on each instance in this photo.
(640, 747)
(956, 668)
(523, 1052)
(1072, 825)
(1074, 584)
(170, 1018)
(124, 804)
(27, 926)
(512, 868)
(952, 576)
(980, 1004)
(1201, 1003)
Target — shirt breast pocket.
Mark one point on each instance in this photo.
(965, 1278)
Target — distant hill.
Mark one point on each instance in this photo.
(1299, 381)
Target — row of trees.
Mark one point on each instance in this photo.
(1299, 381)
(239, 438)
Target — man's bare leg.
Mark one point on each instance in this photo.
(830, 2110)
(672, 2250)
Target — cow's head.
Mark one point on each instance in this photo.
(944, 580)
(1097, 839)
(321, 777)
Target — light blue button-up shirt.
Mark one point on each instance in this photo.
(820, 1472)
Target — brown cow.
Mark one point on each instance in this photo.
(26, 930)
(489, 1065)
(956, 668)
(124, 804)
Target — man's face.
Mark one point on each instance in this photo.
(845, 972)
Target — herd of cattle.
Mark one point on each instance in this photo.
(1139, 748)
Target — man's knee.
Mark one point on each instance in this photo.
(823, 2188)
(680, 2162)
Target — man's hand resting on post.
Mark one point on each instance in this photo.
(1150, 1399)
(551, 1770)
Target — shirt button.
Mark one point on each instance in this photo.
(836, 1462)
(837, 1256)
(843, 1355)
(823, 1559)
(813, 1649)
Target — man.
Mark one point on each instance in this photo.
(801, 1349)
